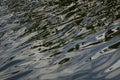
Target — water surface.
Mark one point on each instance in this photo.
(59, 40)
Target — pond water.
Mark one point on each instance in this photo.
(59, 39)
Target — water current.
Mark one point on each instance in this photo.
(59, 39)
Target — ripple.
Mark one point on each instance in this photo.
(59, 40)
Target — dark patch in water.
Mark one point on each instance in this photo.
(64, 61)
(20, 75)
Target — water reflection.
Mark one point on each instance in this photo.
(59, 40)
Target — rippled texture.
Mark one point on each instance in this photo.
(59, 39)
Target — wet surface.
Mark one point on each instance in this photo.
(59, 40)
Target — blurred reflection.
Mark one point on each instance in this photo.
(59, 39)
